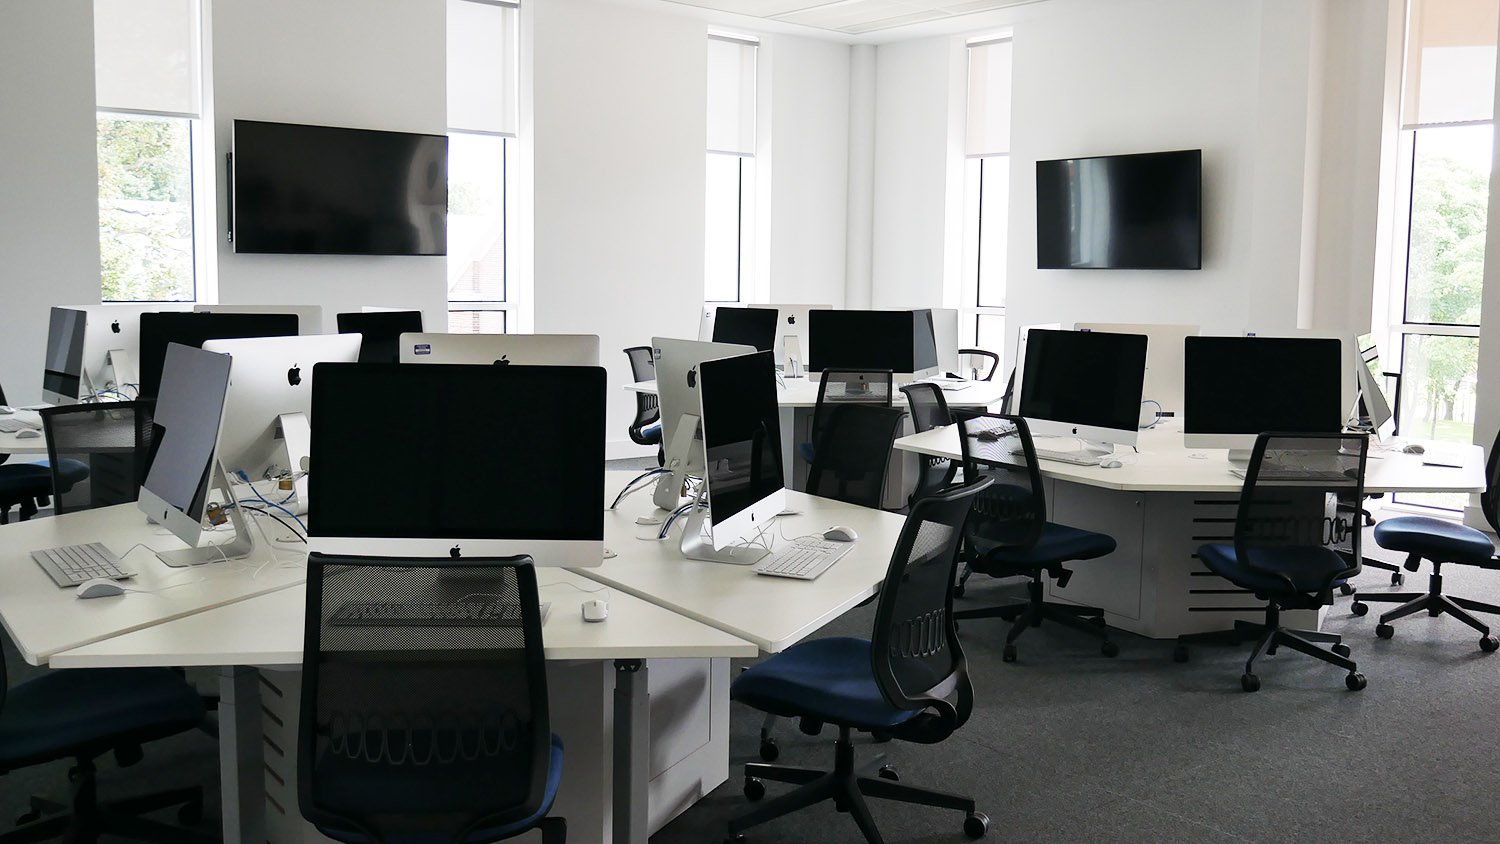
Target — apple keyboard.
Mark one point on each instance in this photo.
(13, 426)
(71, 565)
(804, 559)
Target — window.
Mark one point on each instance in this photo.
(148, 83)
(729, 206)
(987, 194)
(482, 118)
(1444, 153)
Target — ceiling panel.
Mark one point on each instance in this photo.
(853, 16)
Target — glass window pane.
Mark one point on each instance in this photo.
(721, 223)
(1438, 379)
(145, 208)
(994, 215)
(1450, 199)
(990, 334)
(476, 217)
(476, 322)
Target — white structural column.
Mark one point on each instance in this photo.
(859, 277)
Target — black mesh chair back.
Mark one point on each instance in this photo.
(851, 459)
(429, 730)
(1489, 500)
(1293, 488)
(647, 405)
(850, 386)
(1008, 399)
(98, 453)
(1012, 512)
(6, 455)
(980, 364)
(929, 410)
(914, 651)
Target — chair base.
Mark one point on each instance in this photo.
(1435, 603)
(847, 786)
(1035, 610)
(90, 819)
(1269, 637)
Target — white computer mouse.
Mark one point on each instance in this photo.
(28, 434)
(98, 587)
(6, 410)
(839, 533)
(595, 610)
(1111, 464)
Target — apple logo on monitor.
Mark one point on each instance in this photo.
(454, 552)
(791, 319)
(294, 375)
(503, 361)
(692, 378)
(114, 327)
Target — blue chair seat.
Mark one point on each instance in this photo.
(828, 679)
(65, 712)
(70, 472)
(453, 787)
(1308, 566)
(1438, 540)
(652, 433)
(806, 451)
(1058, 544)
(18, 479)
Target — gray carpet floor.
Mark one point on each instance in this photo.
(1067, 746)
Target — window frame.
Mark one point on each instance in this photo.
(507, 189)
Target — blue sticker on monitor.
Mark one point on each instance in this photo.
(422, 349)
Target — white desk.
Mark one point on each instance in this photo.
(11, 444)
(803, 392)
(1164, 503)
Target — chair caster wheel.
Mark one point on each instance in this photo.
(976, 825)
(1384, 631)
(768, 750)
(1249, 682)
(1346, 590)
(1398, 579)
(1489, 644)
(1359, 608)
(1009, 654)
(1342, 650)
(1109, 649)
(191, 813)
(888, 773)
(1355, 681)
(1180, 653)
(880, 736)
(754, 789)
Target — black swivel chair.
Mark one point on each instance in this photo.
(645, 428)
(414, 733)
(980, 363)
(1441, 541)
(846, 386)
(1293, 544)
(854, 453)
(98, 453)
(909, 680)
(1009, 535)
(929, 410)
(26, 486)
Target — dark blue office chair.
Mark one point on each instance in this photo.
(1441, 541)
(1009, 534)
(417, 728)
(645, 428)
(23, 485)
(98, 453)
(82, 714)
(1295, 541)
(929, 410)
(899, 682)
(845, 386)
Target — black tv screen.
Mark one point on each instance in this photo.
(322, 190)
(1138, 212)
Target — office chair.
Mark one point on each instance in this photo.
(414, 732)
(97, 452)
(981, 363)
(846, 386)
(1284, 537)
(898, 681)
(1009, 535)
(854, 453)
(1441, 541)
(645, 428)
(82, 714)
(24, 485)
(929, 410)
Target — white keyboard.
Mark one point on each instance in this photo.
(71, 565)
(11, 426)
(804, 559)
(1076, 457)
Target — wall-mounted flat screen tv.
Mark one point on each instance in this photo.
(322, 190)
(1121, 212)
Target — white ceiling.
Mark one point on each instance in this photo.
(854, 17)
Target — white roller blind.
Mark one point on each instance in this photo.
(731, 95)
(989, 99)
(482, 67)
(1450, 62)
(146, 56)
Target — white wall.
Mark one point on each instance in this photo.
(49, 178)
(371, 64)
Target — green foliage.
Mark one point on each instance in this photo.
(145, 209)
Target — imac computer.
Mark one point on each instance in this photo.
(194, 329)
(381, 332)
(309, 317)
(1085, 386)
(901, 341)
(482, 479)
(266, 429)
(1375, 405)
(742, 478)
(1163, 359)
(791, 332)
(523, 349)
(677, 392)
(183, 466)
(62, 367)
(750, 326)
(1235, 388)
(111, 344)
(945, 337)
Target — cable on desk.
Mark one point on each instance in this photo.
(242, 476)
(1157, 420)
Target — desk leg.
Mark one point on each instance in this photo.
(241, 773)
(631, 751)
